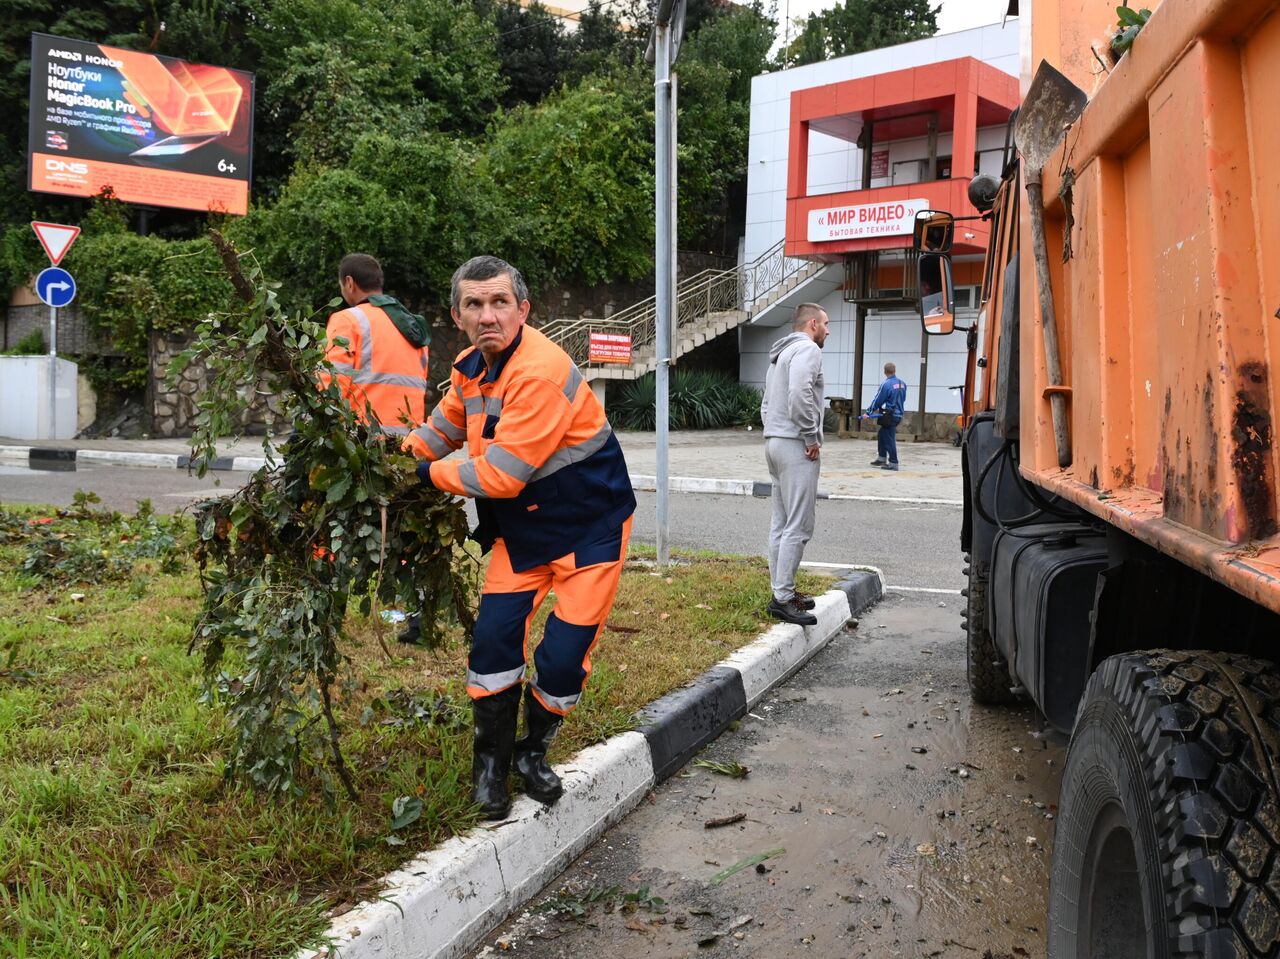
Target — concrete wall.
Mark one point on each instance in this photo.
(74, 338)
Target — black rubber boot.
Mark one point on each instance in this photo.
(411, 635)
(540, 781)
(495, 726)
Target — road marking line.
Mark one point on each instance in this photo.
(876, 570)
(898, 499)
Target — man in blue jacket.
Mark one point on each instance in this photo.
(889, 403)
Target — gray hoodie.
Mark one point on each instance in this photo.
(793, 393)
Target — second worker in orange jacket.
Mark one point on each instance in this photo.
(378, 350)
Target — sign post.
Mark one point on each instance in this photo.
(56, 288)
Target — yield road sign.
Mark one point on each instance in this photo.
(56, 238)
(55, 287)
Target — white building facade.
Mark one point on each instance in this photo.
(909, 124)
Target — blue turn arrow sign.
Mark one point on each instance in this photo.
(55, 287)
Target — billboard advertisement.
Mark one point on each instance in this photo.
(156, 130)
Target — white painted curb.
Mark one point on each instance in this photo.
(694, 484)
(15, 455)
(121, 458)
(781, 651)
(442, 903)
(438, 905)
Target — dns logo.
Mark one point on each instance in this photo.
(65, 166)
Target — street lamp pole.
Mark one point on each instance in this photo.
(668, 25)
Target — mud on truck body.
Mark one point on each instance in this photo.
(1121, 549)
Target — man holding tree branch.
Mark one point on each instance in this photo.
(555, 502)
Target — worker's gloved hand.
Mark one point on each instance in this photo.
(424, 475)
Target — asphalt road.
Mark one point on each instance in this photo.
(914, 545)
(890, 817)
(120, 487)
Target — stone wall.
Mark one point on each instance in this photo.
(173, 410)
(74, 336)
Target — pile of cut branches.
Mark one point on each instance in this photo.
(340, 523)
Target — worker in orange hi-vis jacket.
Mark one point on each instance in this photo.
(378, 350)
(555, 504)
(379, 354)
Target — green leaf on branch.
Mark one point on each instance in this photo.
(272, 627)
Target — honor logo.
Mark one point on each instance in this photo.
(64, 166)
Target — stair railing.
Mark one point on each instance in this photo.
(743, 289)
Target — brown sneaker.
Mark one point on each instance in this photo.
(804, 600)
(791, 612)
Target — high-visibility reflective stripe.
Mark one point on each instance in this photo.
(469, 480)
(571, 385)
(366, 338)
(370, 378)
(573, 454)
(509, 463)
(394, 430)
(493, 406)
(461, 398)
(473, 405)
(435, 442)
(495, 682)
(445, 426)
(559, 703)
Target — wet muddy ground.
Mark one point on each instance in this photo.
(883, 815)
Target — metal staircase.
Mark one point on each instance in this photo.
(707, 304)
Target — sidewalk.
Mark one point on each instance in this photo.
(712, 461)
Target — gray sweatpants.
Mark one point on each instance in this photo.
(795, 490)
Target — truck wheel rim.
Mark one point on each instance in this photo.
(1114, 922)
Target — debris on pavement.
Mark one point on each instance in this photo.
(732, 769)
(747, 863)
(711, 938)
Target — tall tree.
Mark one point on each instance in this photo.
(610, 34)
(859, 25)
(572, 181)
(533, 47)
(715, 71)
(339, 69)
(411, 202)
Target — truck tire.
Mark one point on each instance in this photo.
(988, 671)
(1168, 823)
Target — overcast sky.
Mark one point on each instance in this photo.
(954, 15)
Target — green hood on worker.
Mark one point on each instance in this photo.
(411, 326)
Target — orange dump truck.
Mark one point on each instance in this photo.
(1120, 465)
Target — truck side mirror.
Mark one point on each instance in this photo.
(937, 309)
(933, 231)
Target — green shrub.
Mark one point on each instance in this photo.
(30, 345)
(698, 400)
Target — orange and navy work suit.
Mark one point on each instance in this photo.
(555, 503)
(378, 367)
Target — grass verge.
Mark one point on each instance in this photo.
(119, 833)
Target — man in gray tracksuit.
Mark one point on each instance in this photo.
(792, 414)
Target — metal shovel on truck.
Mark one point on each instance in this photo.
(1119, 462)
